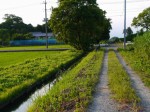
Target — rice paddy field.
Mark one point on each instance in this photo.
(20, 70)
(34, 47)
(11, 58)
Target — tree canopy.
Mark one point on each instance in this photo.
(14, 24)
(4, 36)
(143, 19)
(129, 31)
(80, 23)
(13, 28)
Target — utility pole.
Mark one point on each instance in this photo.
(124, 24)
(45, 19)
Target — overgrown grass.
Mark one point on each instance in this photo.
(17, 78)
(142, 68)
(142, 46)
(74, 91)
(120, 84)
(34, 47)
(139, 58)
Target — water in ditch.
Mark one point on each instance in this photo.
(23, 104)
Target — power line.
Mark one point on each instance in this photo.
(122, 12)
(20, 7)
(105, 3)
(128, 10)
(114, 15)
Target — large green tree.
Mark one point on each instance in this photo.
(143, 19)
(81, 23)
(129, 31)
(15, 24)
(4, 37)
(41, 28)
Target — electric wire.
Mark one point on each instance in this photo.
(105, 3)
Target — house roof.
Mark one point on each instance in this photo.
(40, 34)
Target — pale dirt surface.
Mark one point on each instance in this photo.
(142, 91)
(101, 98)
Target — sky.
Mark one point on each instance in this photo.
(32, 11)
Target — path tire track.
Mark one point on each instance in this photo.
(101, 99)
(142, 91)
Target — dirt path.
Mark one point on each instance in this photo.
(142, 91)
(101, 99)
(35, 50)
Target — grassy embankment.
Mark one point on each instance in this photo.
(120, 84)
(140, 67)
(139, 57)
(16, 78)
(74, 91)
(36, 47)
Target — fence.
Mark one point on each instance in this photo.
(33, 42)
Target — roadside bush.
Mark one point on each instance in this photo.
(139, 58)
(141, 46)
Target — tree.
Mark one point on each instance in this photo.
(80, 23)
(12, 23)
(15, 24)
(18, 36)
(106, 30)
(114, 40)
(4, 36)
(129, 31)
(143, 19)
(41, 28)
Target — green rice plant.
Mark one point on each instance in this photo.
(13, 58)
(17, 78)
(74, 91)
(119, 82)
(35, 47)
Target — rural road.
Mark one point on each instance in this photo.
(102, 101)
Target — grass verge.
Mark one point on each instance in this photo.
(120, 84)
(74, 91)
(139, 65)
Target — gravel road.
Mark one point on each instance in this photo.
(101, 99)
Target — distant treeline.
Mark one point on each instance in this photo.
(13, 28)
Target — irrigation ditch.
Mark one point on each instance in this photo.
(21, 102)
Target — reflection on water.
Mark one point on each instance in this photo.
(40, 92)
(23, 106)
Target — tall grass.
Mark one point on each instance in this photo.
(74, 91)
(142, 46)
(120, 84)
(142, 68)
(139, 58)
